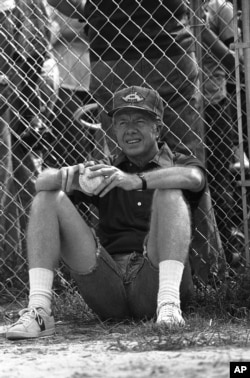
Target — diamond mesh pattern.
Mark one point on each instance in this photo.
(50, 114)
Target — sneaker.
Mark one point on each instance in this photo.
(33, 322)
(169, 314)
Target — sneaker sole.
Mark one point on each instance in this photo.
(24, 335)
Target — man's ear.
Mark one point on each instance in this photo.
(157, 129)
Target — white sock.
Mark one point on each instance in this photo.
(41, 281)
(170, 276)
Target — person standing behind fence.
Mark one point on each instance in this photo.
(219, 129)
(36, 72)
(71, 52)
(6, 50)
(232, 90)
(34, 76)
(24, 47)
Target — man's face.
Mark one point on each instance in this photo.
(136, 132)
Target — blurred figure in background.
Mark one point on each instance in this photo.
(71, 52)
(28, 65)
(231, 88)
(6, 51)
(35, 77)
(219, 134)
(36, 73)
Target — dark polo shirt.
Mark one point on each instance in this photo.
(124, 216)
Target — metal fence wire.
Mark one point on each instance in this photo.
(49, 117)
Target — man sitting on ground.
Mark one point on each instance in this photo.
(136, 265)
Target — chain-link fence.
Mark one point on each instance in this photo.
(58, 74)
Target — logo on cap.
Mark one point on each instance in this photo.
(133, 98)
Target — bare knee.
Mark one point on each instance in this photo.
(45, 199)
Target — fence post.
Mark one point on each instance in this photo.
(245, 45)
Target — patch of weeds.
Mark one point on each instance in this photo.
(67, 302)
(217, 316)
(238, 294)
(147, 336)
(228, 300)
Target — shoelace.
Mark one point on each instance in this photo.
(171, 311)
(169, 307)
(26, 314)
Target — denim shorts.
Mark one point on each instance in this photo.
(123, 286)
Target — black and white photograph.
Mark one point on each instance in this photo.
(124, 188)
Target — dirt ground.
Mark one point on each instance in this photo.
(79, 352)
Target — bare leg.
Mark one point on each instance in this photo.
(168, 246)
(170, 229)
(57, 229)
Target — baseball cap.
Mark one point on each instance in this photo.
(138, 98)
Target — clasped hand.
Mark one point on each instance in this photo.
(113, 177)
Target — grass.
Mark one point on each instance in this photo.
(219, 316)
(132, 336)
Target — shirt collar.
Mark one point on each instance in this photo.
(163, 158)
